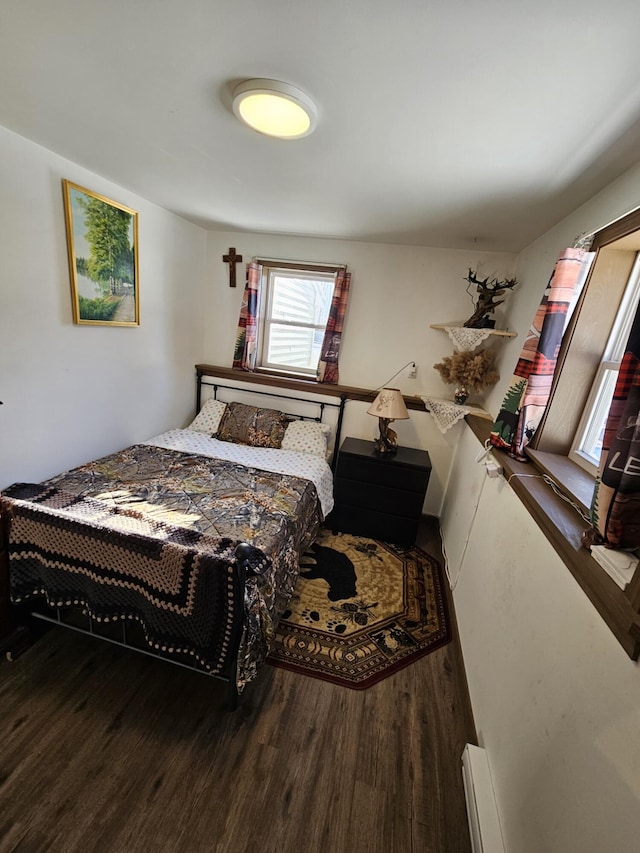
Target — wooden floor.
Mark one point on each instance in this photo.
(102, 749)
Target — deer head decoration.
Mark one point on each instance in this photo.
(489, 291)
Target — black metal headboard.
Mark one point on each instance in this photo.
(204, 380)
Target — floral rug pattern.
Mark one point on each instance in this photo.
(361, 610)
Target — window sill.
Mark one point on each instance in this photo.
(563, 527)
(572, 479)
(285, 374)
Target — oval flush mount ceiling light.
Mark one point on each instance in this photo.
(275, 108)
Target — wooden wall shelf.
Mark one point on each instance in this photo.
(309, 386)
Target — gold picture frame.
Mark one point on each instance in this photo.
(102, 242)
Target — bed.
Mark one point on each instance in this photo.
(185, 546)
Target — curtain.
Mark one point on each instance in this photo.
(328, 365)
(615, 508)
(528, 394)
(246, 349)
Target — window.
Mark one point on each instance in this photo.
(585, 375)
(591, 350)
(587, 443)
(294, 314)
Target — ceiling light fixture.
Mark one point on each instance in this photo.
(275, 108)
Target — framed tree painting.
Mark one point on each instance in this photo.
(102, 240)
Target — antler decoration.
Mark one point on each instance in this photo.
(488, 290)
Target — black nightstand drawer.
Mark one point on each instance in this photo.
(383, 473)
(381, 498)
(375, 525)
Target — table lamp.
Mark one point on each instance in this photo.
(388, 406)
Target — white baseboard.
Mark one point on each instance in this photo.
(482, 811)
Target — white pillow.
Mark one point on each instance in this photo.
(208, 418)
(307, 437)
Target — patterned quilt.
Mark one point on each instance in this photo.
(150, 533)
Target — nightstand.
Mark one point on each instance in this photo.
(380, 497)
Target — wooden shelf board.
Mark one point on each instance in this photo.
(310, 386)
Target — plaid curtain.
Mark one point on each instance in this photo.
(615, 508)
(246, 349)
(526, 400)
(327, 371)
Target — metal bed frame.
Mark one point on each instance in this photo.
(240, 575)
(202, 381)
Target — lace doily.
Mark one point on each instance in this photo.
(445, 413)
(466, 340)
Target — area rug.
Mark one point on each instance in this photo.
(362, 610)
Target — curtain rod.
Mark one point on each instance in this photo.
(258, 259)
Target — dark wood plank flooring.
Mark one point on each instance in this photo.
(102, 749)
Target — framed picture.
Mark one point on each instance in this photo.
(102, 240)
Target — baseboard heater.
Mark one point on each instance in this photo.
(482, 812)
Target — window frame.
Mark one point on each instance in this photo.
(557, 510)
(602, 388)
(270, 267)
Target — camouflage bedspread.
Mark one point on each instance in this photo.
(149, 534)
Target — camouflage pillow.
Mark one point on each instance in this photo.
(250, 425)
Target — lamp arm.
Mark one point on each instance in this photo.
(394, 376)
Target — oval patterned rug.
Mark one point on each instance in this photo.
(362, 610)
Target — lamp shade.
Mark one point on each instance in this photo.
(389, 404)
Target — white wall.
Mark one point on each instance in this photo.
(556, 700)
(396, 292)
(72, 393)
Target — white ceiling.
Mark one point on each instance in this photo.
(454, 123)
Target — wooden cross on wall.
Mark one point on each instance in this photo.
(232, 259)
